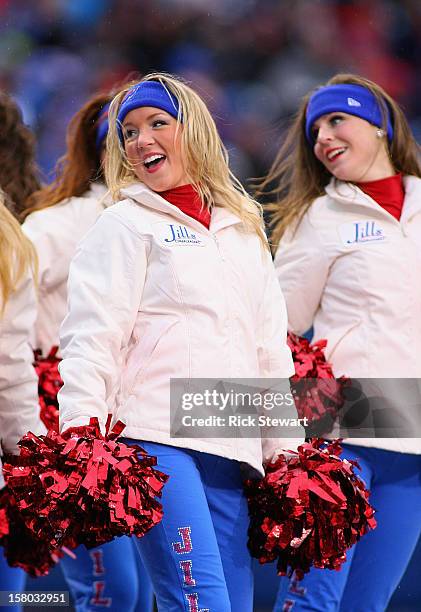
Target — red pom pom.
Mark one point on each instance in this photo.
(318, 395)
(307, 510)
(85, 488)
(4, 521)
(49, 384)
(21, 549)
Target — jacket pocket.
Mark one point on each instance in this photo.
(149, 335)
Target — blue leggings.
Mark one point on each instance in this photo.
(11, 579)
(110, 577)
(376, 564)
(197, 556)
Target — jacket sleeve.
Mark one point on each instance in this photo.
(105, 286)
(275, 361)
(302, 267)
(19, 408)
(53, 245)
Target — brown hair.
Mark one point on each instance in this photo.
(300, 177)
(81, 164)
(19, 176)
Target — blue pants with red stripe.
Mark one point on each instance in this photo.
(376, 564)
(110, 577)
(197, 556)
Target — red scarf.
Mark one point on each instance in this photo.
(188, 200)
(388, 192)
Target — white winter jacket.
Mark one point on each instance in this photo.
(153, 294)
(354, 272)
(19, 409)
(55, 233)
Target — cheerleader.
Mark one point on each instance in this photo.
(347, 227)
(57, 216)
(18, 179)
(18, 382)
(176, 280)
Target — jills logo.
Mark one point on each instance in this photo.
(359, 232)
(186, 565)
(185, 546)
(179, 234)
(98, 599)
(193, 600)
(365, 232)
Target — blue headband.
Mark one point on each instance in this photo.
(102, 128)
(352, 99)
(147, 93)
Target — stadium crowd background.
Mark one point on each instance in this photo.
(252, 60)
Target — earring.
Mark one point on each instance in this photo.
(379, 133)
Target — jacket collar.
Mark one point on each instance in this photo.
(99, 191)
(220, 216)
(412, 204)
(350, 195)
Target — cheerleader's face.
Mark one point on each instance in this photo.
(350, 148)
(153, 148)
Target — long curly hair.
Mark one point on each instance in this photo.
(19, 175)
(81, 164)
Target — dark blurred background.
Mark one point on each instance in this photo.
(251, 60)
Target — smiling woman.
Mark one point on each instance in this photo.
(347, 222)
(176, 281)
(153, 147)
(350, 148)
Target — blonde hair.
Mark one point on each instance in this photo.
(206, 158)
(17, 254)
(299, 177)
